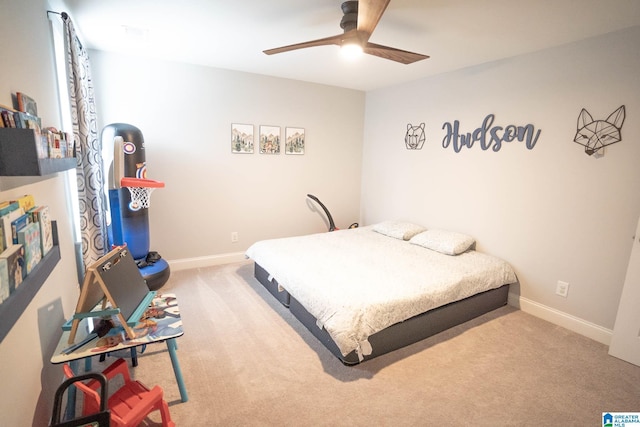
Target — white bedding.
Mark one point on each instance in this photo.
(358, 282)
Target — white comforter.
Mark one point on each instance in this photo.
(358, 282)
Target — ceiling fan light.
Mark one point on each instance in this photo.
(351, 50)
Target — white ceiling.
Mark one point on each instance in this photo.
(232, 34)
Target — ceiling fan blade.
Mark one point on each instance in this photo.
(393, 54)
(337, 40)
(369, 14)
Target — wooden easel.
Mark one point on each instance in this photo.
(115, 281)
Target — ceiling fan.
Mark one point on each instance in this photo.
(359, 20)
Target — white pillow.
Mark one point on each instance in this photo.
(398, 229)
(446, 242)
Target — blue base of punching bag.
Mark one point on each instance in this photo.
(156, 274)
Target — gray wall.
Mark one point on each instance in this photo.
(553, 212)
(185, 113)
(30, 379)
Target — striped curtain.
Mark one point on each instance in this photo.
(89, 170)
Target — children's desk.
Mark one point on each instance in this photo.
(160, 322)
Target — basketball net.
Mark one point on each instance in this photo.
(141, 196)
(140, 190)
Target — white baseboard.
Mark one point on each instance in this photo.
(206, 261)
(575, 324)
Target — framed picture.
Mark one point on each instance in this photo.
(294, 141)
(26, 104)
(269, 139)
(242, 138)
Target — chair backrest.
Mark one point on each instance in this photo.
(92, 399)
(102, 418)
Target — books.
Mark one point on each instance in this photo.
(7, 119)
(5, 224)
(19, 120)
(18, 224)
(6, 207)
(4, 281)
(14, 258)
(42, 217)
(28, 227)
(30, 122)
(26, 202)
(29, 238)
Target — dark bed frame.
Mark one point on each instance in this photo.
(400, 334)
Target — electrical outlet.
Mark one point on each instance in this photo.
(562, 288)
(234, 237)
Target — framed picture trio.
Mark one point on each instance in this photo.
(269, 139)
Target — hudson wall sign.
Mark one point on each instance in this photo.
(488, 136)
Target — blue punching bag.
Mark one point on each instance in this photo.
(131, 162)
(130, 220)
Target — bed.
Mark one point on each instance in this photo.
(367, 291)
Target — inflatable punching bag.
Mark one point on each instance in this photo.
(130, 219)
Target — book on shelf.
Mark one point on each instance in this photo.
(5, 208)
(8, 206)
(10, 118)
(14, 257)
(18, 224)
(5, 224)
(4, 281)
(42, 216)
(4, 108)
(7, 119)
(29, 238)
(18, 120)
(26, 121)
(32, 122)
(26, 202)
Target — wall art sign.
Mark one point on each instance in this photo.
(269, 139)
(414, 138)
(488, 136)
(594, 135)
(294, 141)
(242, 138)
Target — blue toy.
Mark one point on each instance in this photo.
(129, 198)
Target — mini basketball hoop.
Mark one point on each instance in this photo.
(140, 190)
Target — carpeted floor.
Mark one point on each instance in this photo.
(247, 362)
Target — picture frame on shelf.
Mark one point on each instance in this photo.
(242, 138)
(294, 142)
(269, 139)
(26, 104)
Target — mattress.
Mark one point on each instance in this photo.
(356, 283)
